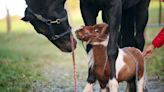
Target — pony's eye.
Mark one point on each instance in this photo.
(96, 30)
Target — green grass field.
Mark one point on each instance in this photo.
(25, 55)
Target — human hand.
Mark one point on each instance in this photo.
(148, 51)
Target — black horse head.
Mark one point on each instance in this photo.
(50, 19)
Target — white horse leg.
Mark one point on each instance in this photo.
(140, 85)
(113, 85)
(127, 87)
(88, 88)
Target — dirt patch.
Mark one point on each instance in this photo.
(59, 78)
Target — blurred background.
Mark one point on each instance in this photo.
(30, 63)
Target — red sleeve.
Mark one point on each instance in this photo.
(159, 39)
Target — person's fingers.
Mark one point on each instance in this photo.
(146, 52)
(148, 56)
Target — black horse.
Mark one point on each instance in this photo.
(49, 18)
(129, 17)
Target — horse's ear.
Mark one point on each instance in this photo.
(25, 19)
(28, 16)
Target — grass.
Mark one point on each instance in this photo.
(155, 63)
(26, 56)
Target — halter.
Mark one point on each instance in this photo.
(49, 23)
(54, 36)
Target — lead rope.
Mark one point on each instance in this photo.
(136, 67)
(74, 64)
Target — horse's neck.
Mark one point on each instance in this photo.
(100, 55)
(39, 5)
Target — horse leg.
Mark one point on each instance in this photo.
(89, 14)
(141, 21)
(126, 37)
(113, 16)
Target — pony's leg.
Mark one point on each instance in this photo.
(89, 14)
(88, 88)
(132, 83)
(128, 87)
(113, 85)
(91, 77)
(141, 21)
(140, 85)
(104, 90)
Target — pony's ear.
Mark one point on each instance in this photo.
(103, 27)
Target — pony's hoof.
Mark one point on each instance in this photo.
(104, 90)
(145, 89)
(88, 88)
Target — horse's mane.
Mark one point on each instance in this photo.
(38, 5)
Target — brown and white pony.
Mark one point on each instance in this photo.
(126, 61)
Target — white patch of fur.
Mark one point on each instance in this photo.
(104, 43)
(103, 90)
(90, 58)
(113, 85)
(140, 85)
(88, 88)
(120, 62)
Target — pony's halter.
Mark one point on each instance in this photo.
(49, 23)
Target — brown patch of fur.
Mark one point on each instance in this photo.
(129, 70)
(101, 65)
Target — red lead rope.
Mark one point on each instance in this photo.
(73, 58)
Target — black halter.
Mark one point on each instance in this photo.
(49, 22)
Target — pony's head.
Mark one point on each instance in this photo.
(50, 19)
(93, 34)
